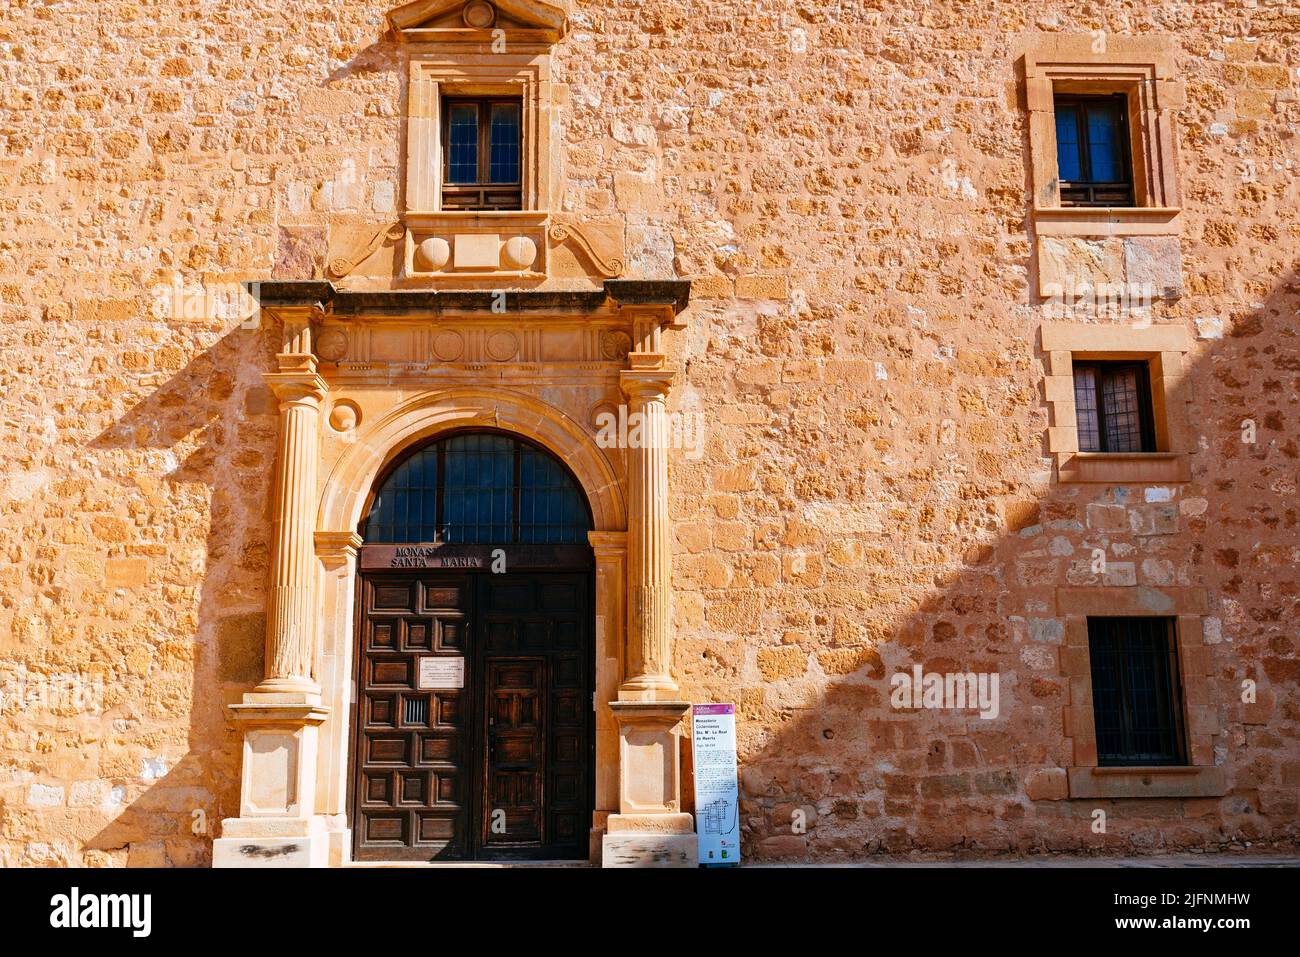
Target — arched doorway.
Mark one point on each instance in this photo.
(474, 666)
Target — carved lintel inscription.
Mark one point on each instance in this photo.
(511, 557)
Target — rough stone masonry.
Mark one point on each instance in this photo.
(847, 185)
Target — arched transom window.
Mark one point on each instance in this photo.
(478, 488)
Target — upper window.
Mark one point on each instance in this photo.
(481, 152)
(1112, 403)
(1136, 693)
(1093, 157)
(478, 488)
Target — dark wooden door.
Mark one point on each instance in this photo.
(535, 636)
(499, 767)
(514, 769)
(413, 792)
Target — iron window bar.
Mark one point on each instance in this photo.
(1113, 411)
(1136, 692)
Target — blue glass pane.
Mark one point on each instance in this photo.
(1067, 144)
(479, 496)
(1104, 143)
(462, 144)
(478, 489)
(504, 135)
(550, 505)
(403, 510)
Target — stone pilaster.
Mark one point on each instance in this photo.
(337, 552)
(649, 829)
(610, 550)
(278, 824)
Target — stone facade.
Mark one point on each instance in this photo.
(887, 477)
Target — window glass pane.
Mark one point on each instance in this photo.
(505, 143)
(403, 509)
(1085, 408)
(478, 495)
(550, 505)
(1119, 398)
(1104, 140)
(462, 143)
(1067, 144)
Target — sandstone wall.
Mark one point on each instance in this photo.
(846, 183)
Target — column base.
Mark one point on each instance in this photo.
(272, 842)
(650, 840)
(649, 688)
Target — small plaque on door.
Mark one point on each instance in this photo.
(441, 672)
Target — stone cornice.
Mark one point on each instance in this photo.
(669, 294)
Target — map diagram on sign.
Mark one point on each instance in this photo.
(718, 817)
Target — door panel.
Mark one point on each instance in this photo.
(513, 773)
(432, 764)
(409, 803)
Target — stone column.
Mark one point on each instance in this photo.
(649, 829)
(649, 557)
(291, 607)
(278, 824)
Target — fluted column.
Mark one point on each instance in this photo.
(279, 823)
(291, 605)
(649, 555)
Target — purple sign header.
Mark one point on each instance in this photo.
(713, 709)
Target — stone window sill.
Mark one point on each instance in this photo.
(501, 218)
(1107, 220)
(1125, 468)
(1145, 782)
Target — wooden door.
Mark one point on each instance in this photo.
(534, 634)
(412, 743)
(514, 767)
(498, 767)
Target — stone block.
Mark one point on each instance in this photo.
(1154, 264)
(638, 849)
(1047, 784)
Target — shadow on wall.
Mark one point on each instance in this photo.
(219, 409)
(869, 778)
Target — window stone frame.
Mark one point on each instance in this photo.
(1200, 777)
(441, 58)
(1165, 347)
(1142, 68)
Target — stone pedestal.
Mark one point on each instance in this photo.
(276, 826)
(650, 829)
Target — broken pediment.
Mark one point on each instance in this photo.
(442, 21)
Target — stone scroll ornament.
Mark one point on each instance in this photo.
(340, 266)
(608, 266)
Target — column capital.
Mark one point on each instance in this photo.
(297, 386)
(648, 382)
(336, 549)
(608, 544)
